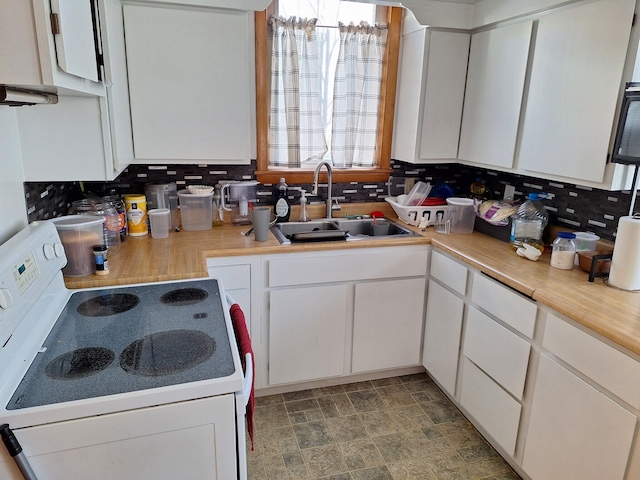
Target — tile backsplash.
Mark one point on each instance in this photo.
(571, 206)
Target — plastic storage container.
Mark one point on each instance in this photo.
(196, 210)
(563, 251)
(463, 214)
(529, 222)
(418, 194)
(163, 195)
(78, 234)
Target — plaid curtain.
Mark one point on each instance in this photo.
(357, 95)
(295, 125)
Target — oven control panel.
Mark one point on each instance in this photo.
(26, 272)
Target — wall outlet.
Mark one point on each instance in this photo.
(408, 184)
(509, 192)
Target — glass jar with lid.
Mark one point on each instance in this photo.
(111, 226)
(563, 251)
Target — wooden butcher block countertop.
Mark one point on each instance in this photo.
(613, 313)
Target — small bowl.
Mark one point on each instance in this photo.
(585, 259)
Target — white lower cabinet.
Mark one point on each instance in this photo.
(332, 314)
(492, 407)
(307, 333)
(443, 319)
(575, 431)
(443, 327)
(387, 324)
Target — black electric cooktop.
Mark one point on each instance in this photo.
(125, 339)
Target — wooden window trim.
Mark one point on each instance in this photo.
(266, 174)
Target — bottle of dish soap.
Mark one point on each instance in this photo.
(303, 207)
(283, 207)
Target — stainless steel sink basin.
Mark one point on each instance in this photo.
(338, 229)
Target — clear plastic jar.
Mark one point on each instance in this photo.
(111, 226)
(118, 204)
(563, 251)
(529, 222)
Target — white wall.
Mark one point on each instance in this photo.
(13, 209)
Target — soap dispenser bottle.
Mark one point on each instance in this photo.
(303, 207)
(283, 207)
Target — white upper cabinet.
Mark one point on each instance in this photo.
(431, 78)
(191, 84)
(50, 45)
(493, 98)
(83, 137)
(576, 78)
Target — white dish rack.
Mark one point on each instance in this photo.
(413, 214)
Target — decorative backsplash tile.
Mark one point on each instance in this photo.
(577, 208)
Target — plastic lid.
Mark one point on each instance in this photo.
(536, 196)
(72, 222)
(100, 248)
(566, 235)
(460, 201)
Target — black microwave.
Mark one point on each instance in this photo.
(626, 148)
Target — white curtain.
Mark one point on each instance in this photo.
(356, 95)
(295, 127)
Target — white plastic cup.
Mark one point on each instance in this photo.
(160, 218)
(260, 218)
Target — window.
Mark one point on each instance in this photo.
(380, 172)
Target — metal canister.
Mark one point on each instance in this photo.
(137, 224)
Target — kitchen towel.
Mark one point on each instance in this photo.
(244, 345)
(625, 263)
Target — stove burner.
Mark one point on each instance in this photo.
(184, 296)
(168, 352)
(79, 363)
(109, 304)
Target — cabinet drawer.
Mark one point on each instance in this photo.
(498, 352)
(493, 408)
(507, 305)
(233, 277)
(449, 272)
(615, 371)
(388, 263)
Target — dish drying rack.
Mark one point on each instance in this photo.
(413, 214)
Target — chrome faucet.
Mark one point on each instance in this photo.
(329, 182)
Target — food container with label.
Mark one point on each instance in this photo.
(137, 224)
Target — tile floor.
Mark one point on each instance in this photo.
(395, 428)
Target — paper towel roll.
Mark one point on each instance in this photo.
(625, 263)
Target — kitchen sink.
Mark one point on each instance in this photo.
(338, 229)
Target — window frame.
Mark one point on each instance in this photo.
(267, 174)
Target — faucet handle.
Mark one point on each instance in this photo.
(336, 206)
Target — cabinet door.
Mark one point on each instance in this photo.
(575, 432)
(75, 46)
(442, 332)
(575, 81)
(495, 84)
(307, 329)
(444, 94)
(431, 78)
(190, 83)
(387, 325)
